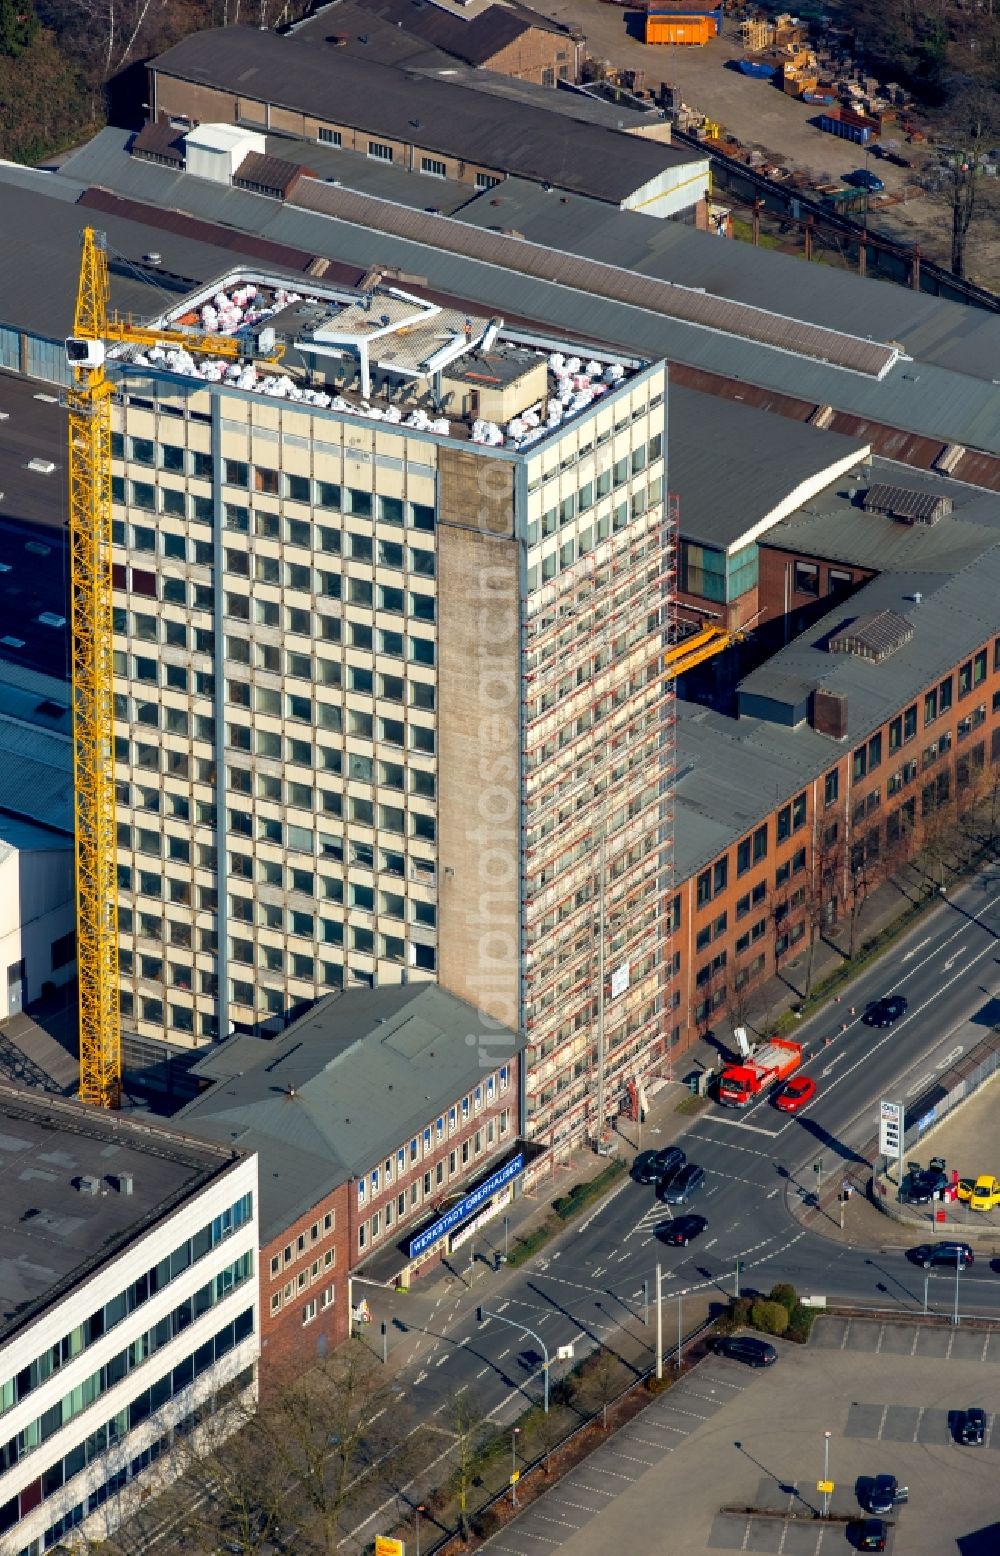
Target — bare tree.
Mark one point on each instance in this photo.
(958, 181)
(328, 1430)
(472, 1435)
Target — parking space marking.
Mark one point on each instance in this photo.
(881, 1337)
(916, 1337)
(986, 1346)
(847, 1335)
(920, 1417)
(881, 1425)
(951, 1342)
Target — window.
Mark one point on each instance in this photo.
(965, 679)
(704, 888)
(837, 579)
(486, 181)
(380, 151)
(784, 828)
(329, 137)
(875, 752)
(910, 723)
(860, 763)
(433, 167)
(945, 695)
(743, 859)
(807, 578)
(760, 844)
(896, 734)
(831, 787)
(930, 707)
(720, 874)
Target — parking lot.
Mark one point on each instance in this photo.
(892, 1396)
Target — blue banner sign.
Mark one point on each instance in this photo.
(465, 1207)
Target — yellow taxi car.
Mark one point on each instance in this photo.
(985, 1193)
(964, 1188)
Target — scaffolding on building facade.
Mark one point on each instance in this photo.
(599, 726)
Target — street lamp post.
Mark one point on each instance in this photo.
(420, 1508)
(659, 1322)
(680, 1330)
(959, 1265)
(736, 1281)
(515, 1433)
(826, 1472)
(927, 1281)
(483, 1313)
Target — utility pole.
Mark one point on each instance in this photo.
(680, 1329)
(659, 1323)
(826, 1472)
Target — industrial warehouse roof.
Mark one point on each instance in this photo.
(475, 38)
(935, 398)
(736, 470)
(833, 524)
(435, 115)
(342, 1088)
(54, 1236)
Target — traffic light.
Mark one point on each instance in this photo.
(694, 1081)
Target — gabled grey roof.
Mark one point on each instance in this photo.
(356, 1077)
(435, 115)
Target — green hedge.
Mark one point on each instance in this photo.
(584, 1194)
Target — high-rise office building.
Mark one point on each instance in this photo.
(389, 632)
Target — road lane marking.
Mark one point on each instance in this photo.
(828, 1069)
(949, 964)
(919, 947)
(739, 1123)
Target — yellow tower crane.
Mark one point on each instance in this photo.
(89, 402)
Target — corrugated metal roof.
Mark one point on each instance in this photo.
(584, 275)
(36, 775)
(434, 115)
(342, 1088)
(717, 449)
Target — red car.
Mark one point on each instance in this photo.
(795, 1093)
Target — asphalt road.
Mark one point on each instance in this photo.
(589, 1289)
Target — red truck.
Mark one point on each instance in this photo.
(775, 1061)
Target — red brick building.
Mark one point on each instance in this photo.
(380, 1117)
(842, 752)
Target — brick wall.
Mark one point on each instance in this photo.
(534, 53)
(441, 1170)
(306, 1264)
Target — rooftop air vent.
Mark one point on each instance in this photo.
(872, 637)
(42, 466)
(89, 1185)
(50, 619)
(126, 1183)
(907, 505)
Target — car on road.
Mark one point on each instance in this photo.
(868, 1534)
(885, 1493)
(795, 1094)
(964, 1188)
(886, 1011)
(950, 1254)
(678, 1188)
(744, 1348)
(972, 1431)
(651, 1166)
(919, 1188)
(861, 178)
(681, 1230)
(985, 1193)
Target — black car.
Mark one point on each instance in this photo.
(676, 1189)
(651, 1166)
(950, 1254)
(885, 1494)
(744, 1348)
(919, 1188)
(868, 1534)
(885, 1012)
(973, 1429)
(682, 1229)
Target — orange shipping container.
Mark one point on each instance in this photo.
(679, 29)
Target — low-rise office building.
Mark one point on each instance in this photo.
(128, 1306)
(386, 1126)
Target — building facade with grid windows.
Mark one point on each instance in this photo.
(388, 667)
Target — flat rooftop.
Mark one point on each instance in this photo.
(52, 1236)
(382, 353)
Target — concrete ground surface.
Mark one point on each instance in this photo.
(967, 1139)
(889, 1394)
(761, 115)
